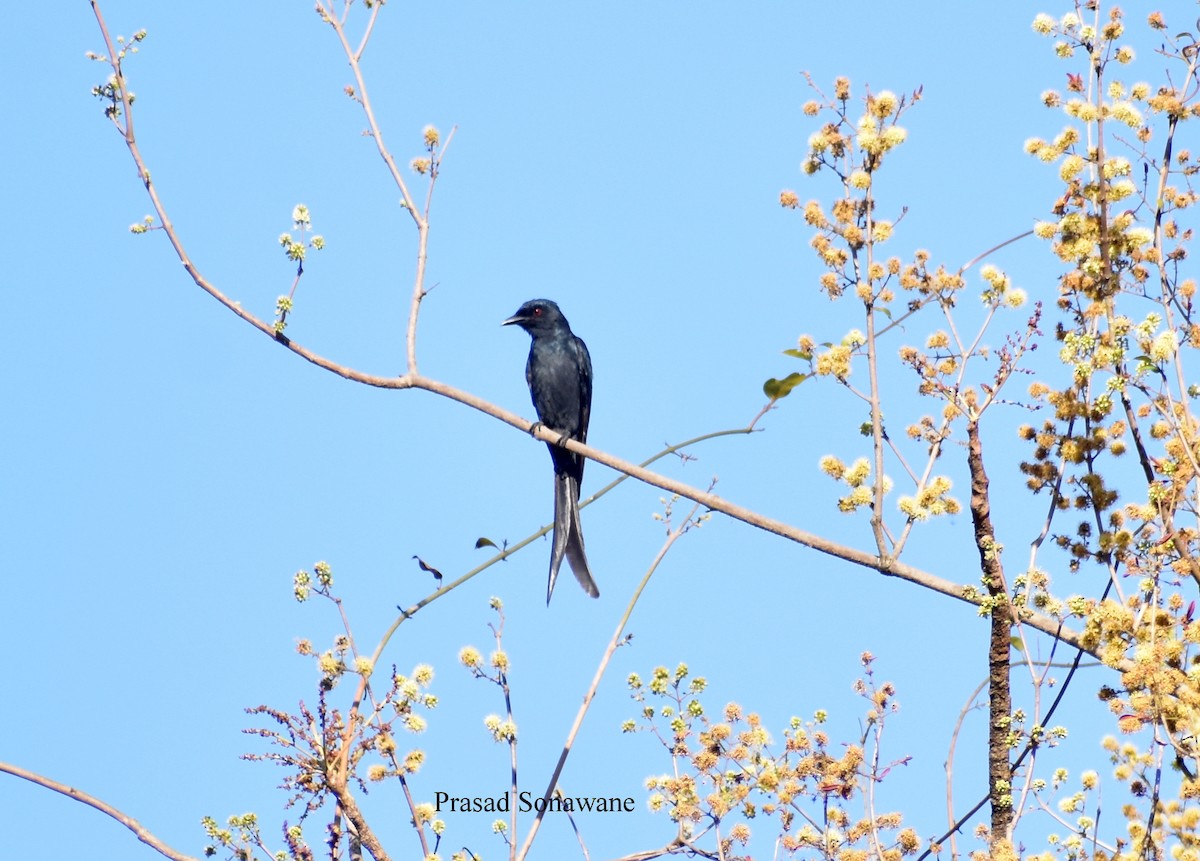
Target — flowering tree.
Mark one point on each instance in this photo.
(1121, 317)
(1113, 459)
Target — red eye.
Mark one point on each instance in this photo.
(537, 312)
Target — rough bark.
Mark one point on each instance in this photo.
(999, 691)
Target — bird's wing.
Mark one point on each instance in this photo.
(585, 395)
(585, 387)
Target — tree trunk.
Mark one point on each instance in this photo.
(999, 691)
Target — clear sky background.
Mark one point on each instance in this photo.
(166, 468)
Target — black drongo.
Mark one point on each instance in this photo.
(559, 373)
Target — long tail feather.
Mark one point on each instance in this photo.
(562, 528)
(568, 537)
(575, 554)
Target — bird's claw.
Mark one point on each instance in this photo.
(561, 442)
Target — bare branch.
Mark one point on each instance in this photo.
(412, 379)
(140, 831)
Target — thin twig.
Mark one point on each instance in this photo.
(410, 611)
(962, 715)
(613, 644)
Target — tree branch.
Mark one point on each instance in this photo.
(1000, 645)
(129, 822)
(413, 380)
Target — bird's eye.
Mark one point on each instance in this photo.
(537, 312)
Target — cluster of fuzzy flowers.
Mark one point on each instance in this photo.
(999, 290)
(877, 130)
(930, 501)
(1158, 344)
(296, 249)
(406, 694)
(875, 133)
(1098, 247)
(501, 729)
(302, 581)
(729, 765)
(854, 149)
(835, 360)
(857, 477)
(427, 164)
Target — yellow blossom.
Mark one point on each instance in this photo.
(1115, 166)
(894, 136)
(832, 466)
(1164, 346)
(469, 657)
(1043, 24)
(814, 215)
(1070, 167)
(1125, 112)
(858, 497)
(884, 104)
(858, 472)
(1121, 189)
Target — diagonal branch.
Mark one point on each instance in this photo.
(129, 822)
(413, 380)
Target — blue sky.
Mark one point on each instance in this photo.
(167, 468)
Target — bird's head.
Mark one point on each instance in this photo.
(537, 315)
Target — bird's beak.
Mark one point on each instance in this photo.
(511, 320)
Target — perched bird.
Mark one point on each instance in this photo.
(559, 373)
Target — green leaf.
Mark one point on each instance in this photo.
(1016, 644)
(799, 354)
(486, 542)
(1147, 363)
(776, 389)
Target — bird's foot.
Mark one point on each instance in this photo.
(561, 442)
